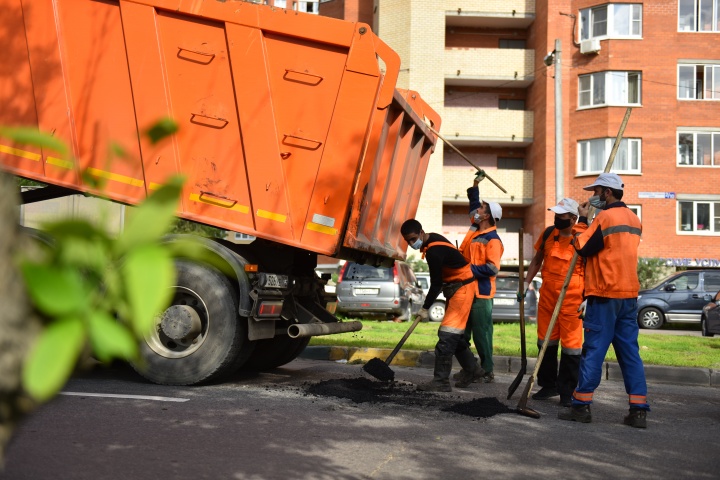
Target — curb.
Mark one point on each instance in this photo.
(705, 377)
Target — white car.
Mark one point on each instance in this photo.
(437, 309)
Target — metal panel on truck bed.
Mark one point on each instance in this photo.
(289, 130)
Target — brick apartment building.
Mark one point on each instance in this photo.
(480, 64)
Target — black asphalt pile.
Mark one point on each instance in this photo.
(363, 390)
(480, 408)
(379, 369)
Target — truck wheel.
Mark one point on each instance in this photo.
(651, 318)
(200, 337)
(275, 352)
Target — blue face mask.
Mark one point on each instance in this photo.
(596, 202)
(418, 243)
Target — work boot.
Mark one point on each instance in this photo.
(544, 393)
(565, 400)
(471, 369)
(576, 413)
(489, 377)
(636, 418)
(441, 376)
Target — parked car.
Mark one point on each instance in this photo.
(678, 298)
(503, 308)
(710, 319)
(364, 289)
(437, 309)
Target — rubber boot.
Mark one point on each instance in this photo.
(471, 369)
(567, 377)
(441, 376)
(547, 374)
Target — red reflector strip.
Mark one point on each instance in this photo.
(270, 309)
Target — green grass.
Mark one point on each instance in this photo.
(655, 349)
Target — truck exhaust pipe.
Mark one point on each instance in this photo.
(316, 329)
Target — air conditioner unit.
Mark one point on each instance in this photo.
(590, 46)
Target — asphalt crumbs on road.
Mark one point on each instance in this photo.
(363, 390)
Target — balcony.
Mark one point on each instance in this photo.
(489, 67)
(487, 127)
(489, 13)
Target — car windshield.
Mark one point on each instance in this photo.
(366, 272)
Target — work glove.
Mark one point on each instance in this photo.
(582, 308)
(423, 314)
(520, 294)
(480, 176)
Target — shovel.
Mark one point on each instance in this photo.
(523, 362)
(379, 369)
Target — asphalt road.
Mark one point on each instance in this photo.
(269, 426)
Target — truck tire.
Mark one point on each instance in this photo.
(275, 352)
(205, 304)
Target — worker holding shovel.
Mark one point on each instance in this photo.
(554, 254)
(451, 273)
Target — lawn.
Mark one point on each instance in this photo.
(655, 349)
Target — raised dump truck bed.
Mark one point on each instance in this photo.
(289, 130)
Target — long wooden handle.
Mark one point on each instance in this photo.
(402, 341)
(463, 156)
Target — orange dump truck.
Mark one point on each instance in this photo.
(289, 130)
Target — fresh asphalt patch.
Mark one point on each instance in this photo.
(363, 390)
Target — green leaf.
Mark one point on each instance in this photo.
(148, 274)
(161, 129)
(85, 254)
(32, 136)
(53, 357)
(110, 339)
(56, 291)
(74, 228)
(153, 218)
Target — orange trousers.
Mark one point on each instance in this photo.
(568, 329)
(458, 308)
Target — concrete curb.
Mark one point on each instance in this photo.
(706, 377)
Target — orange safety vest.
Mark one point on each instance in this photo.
(612, 272)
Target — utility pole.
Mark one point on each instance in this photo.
(559, 164)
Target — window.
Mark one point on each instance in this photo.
(699, 82)
(699, 217)
(244, 236)
(637, 210)
(615, 20)
(689, 281)
(700, 149)
(504, 163)
(711, 281)
(280, 3)
(509, 43)
(506, 104)
(593, 155)
(307, 6)
(609, 88)
(699, 15)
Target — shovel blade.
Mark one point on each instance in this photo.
(516, 383)
(380, 370)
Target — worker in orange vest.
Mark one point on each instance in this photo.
(449, 272)
(610, 246)
(554, 253)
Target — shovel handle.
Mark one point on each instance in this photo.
(402, 340)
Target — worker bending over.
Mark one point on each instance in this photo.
(449, 272)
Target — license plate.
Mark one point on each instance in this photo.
(366, 291)
(505, 301)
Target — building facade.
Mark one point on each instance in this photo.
(482, 65)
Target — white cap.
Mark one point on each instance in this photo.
(610, 180)
(495, 210)
(566, 205)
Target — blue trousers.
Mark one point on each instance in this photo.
(611, 321)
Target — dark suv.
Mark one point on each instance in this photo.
(363, 289)
(678, 298)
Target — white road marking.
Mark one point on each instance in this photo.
(131, 397)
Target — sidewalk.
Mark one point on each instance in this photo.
(413, 358)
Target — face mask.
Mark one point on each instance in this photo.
(418, 243)
(562, 223)
(596, 202)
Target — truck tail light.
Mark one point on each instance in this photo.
(396, 279)
(270, 308)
